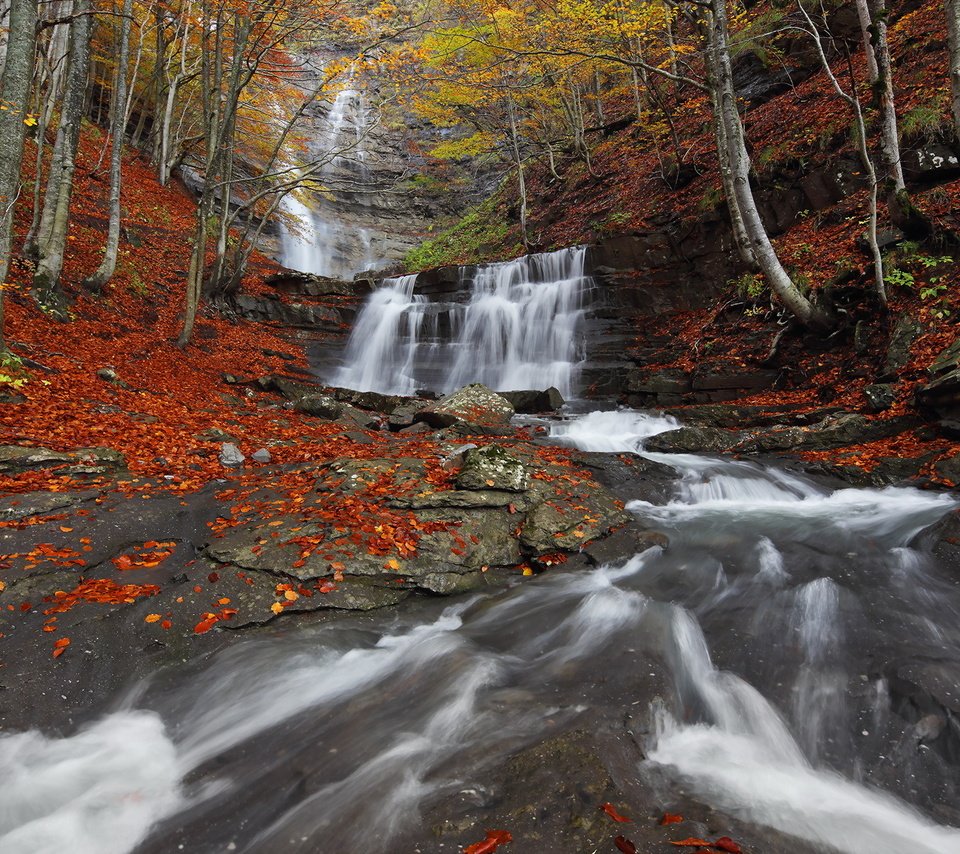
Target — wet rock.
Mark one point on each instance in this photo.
(492, 467)
(94, 461)
(328, 407)
(551, 526)
(942, 394)
(670, 381)
(733, 378)
(261, 456)
(693, 440)
(230, 455)
(39, 503)
(388, 404)
(880, 397)
(623, 544)
(949, 469)
(906, 330)
(533, 402)
(108, 375)
(471, 407)
(631, 477)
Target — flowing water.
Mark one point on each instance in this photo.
(323, 243)
(755, 658)
(520, 328)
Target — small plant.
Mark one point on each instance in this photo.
(926, 122)
(897, 278)
(12, 373)
(749, 286)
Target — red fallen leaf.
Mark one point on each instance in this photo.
(123, 562)
(692, 843)
(725, 843)
(58, 652)
(611, 811)
(204, 626)
(213, 577)
(62, 642)
(495, 838)
(625, 845)
(166, 624)
(671, 818)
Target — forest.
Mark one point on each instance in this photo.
(479, 425)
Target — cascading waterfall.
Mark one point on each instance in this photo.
(519, 329)
(323, 244)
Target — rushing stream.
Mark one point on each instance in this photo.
(748, 658)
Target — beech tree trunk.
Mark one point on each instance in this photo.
(15, 85)
(952, 8)
(118, 124)
(721, 73)
(52, 237)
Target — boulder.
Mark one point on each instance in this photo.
(906, 330)
(880, 396)
(327, 406)
(531, 402)
(942, 394)
(932, 163)
(230, 455)
(261, 456)
(693, 440)
(473, 406)
(93, 461)
(492, 467)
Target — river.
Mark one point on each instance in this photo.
(754, 664)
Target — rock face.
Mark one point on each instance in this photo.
(942, 394)
(534, 402)
(494, 514)
(83, 461)
(474, 407)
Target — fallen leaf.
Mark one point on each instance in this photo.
(692, 843)
(151, 618)
(204, 626)
(166, 624)
(611, 811)
(671, 818)
(725, 843)
(65, 529)
(625, 845)
(495, 838)
(291, 595)
(276, 607)
(393, 564)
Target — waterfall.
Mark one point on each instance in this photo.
(520, 328)
(324, 244)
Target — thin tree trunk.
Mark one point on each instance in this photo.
(56, 213)
(118, 127)
(15, 85)
(863, 13)
(952, 8)
(726, 101)
(521, 180)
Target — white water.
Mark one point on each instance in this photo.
(792, 588)
(321, 243)
(519, 329)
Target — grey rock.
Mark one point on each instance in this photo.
(473, 405)
(261, 456)
(906, 330)
(230, 455)
(880, 396)
(492, 467)
(693, 440)
(531, 402)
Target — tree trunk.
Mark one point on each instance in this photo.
(721, 74)
(52, 238)
(521, 179)
(903, 213)
(15, 85)
(952, 8)
(117, 130)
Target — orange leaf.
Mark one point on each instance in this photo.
(276, 607)
(725, 843)
(611, 811)
(166, 624)
(65, 529)
(291, 595)
(58, 652)
(204, 626)
(394, 565)
(61, 642)
(495, 838)
(692, 843)
(670, 818)
(152, 618)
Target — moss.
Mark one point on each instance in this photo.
(481, 235)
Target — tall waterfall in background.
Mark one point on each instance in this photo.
(521, 328)
(325, 245)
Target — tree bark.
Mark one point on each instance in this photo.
(952, 8)
(15, 83)
(117, 130)
(721, 73)
(52, 237)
